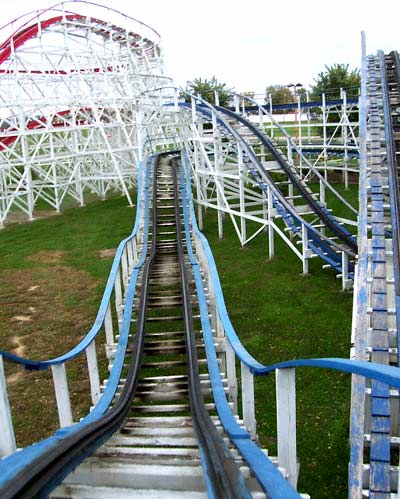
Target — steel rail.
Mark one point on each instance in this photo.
(26, 33)
(40, 12)
(43, 473)
(345, 236)
(269, 477)
(223, 477)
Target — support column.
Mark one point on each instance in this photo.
(286, 422)
(7, 440)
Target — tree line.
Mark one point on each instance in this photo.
(329, 82)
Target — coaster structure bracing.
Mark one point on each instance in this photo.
(85, 107)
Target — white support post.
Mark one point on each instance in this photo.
(322, 192)
(324, 129)
(93, 371)
(108, 326)
(345, 120)
(300, 138)
(125, 272)
(231, 375)
(242, 200)
(289, 151)
(248, 407)
(304, 241)
(118, 298)
(7, 441)
(270, 112)
(271, 235)
(130, 256)
(308, 119)
(134, 249)
(291, 194)
(62, 395)
(286, 422)
(219, 180)
(346, 282)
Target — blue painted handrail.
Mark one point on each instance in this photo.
(11, 465)
(99, 321)
(269, 477)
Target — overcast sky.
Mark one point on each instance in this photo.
(250, 44)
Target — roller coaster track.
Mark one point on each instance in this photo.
(374, 468)
(307, 195)
(313, 219)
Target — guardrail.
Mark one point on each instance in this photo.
(110, 319)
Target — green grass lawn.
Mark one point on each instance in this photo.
(278, 314)
(52, 277)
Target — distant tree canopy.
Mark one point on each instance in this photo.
(280, 94)
(207, 88)
(333, 79)
(249, 94)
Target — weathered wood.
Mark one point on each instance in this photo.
(286, 422)
(248, 407)
(62, 395)
(7, 440)
(93, 371)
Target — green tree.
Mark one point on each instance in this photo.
(336, 77)
(280, 94)
(249, 93)
(207, 88)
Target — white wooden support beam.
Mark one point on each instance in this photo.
(248, 407)
(7, 440)
(124, 265)
(289, 151)
(131, 261)
(134, 249)
(108, 326)
(118, 298)
(271, 235)
(322, 192)
(93, 371)
(304, 242)
(231, 376)
(286, 422)
(346, 282)
(62, 395)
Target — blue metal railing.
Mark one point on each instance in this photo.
(266, 472)
(99, 321)
(10, 466)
